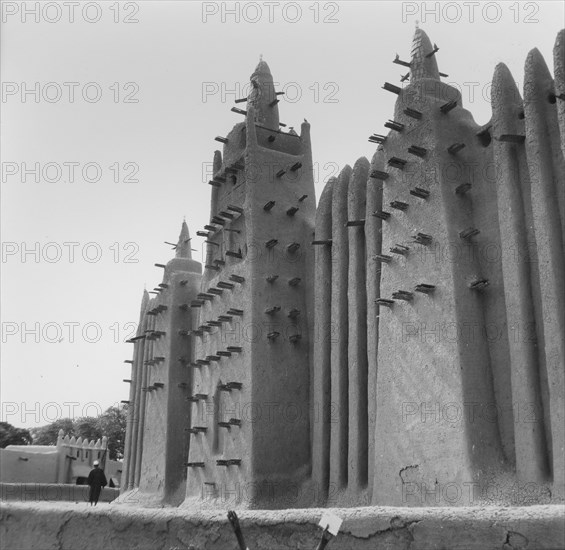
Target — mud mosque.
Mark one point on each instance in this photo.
(400, 344)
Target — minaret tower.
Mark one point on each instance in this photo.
(162, 382)
(444, 410)
(250, 417)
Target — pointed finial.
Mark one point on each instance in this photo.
(423, 63)
(183, 245)
(263, 97)
(144, 301)
(260, 57)
(417, 24)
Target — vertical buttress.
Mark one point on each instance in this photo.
(559, 83)
(147, 356)
(546, 166)
(321, 388)
(373, 240)
(357, 319)
(513, 188)
(137, 382)
(339, 312)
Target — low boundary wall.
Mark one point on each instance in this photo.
(63, 525)
(37, 492)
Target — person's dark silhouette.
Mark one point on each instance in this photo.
(96, 480)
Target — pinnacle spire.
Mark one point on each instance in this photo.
(262, 67)
(263, 97)
(183, 246)
(144, 301)
(145, 297)
(423, 63)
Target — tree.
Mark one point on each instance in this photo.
(111, 423)
(87, 427)
(10, 435)
(47, 435)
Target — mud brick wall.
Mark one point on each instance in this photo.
(161, 382)
(250, 400)
(440, 363)
(398, 344)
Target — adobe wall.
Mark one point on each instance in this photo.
(135, 418)
(69, 460)
(411, 345)
(251, 368)
(280, 365)
(43, 526)
(428, 361)
(457, 347)
(162, 382)
(543, 146)
(222, 344)
(19, 466)
(51, 492)
(165, 446)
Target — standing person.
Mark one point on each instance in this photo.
(96, 480)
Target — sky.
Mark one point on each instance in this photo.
(108, 116)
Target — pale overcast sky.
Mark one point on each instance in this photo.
(153, 84)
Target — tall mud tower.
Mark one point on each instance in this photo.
(437, 371)
(156, 446)
(470, 367)
(250, 442)
(409, 352)
(440, 376)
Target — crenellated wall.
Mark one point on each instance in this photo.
(66, 463)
